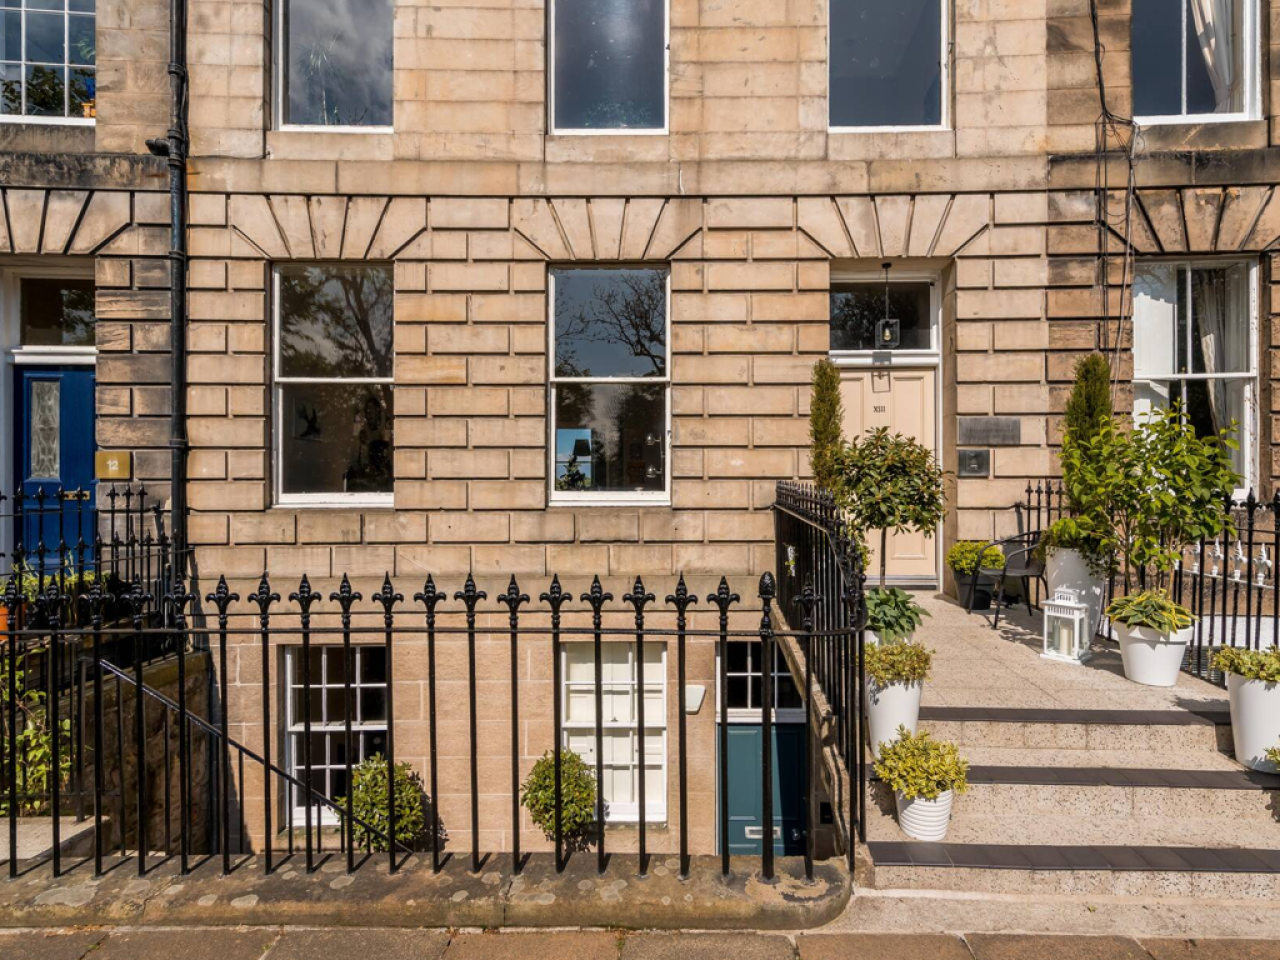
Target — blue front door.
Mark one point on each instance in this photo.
(54, 410)
(746, 809)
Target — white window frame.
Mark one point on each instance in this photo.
(944, 11)
(294, 725)
(621, 812)
(610, 498)
(279, 72)
(556, 131)
(1249, 63)
(319, 500)
(932, 357)
(1248, 435)
(66, 120)
(745, 715)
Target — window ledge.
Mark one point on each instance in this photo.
(659, 502)
(49, 121)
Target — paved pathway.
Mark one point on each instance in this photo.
(300, 944)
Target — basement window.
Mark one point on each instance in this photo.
(609, 66)
(887, 65)
(610, 385)
(620, 725)
(1194, 329)
(333, 375)
(48, 56)
(1194, 61)
(334, 65)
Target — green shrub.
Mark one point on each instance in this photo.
(1251, 664)
(889, 482)
(35, 742)
(1273, 754)
(577, 795)
(826, 423)
(916, 765)
(1150, 609)
(892, 613)
(898, 662)
(962, 558)
(369, 804)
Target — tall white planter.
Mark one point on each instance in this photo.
(923, 819)
(1070, 569)
(1255, 720)
(889, 707)
(1151, 658)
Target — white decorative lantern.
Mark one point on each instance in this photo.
(1066, 630)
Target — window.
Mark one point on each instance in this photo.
(1193, 335)
(335, 58)
(621, 740)
(858, 308)
(328, 713)
(746, 684)
(887, 64)
(1194, 59)
(56, 312)
(609, 66)
(333, 373)
(610, 385)
(47, 57)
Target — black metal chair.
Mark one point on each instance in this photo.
(1020, 562)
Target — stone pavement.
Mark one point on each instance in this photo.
(290, 943)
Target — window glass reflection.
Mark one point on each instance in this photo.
(886, 63)
(57, 312)
(339, 56)
(610, 64)
(611, 323)
(856, 308)
(610, 437)
(336, 438)
(335, 321)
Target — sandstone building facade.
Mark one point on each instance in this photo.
(409, 225)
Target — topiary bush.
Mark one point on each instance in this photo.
(1090, 400)
(369, 801)
(826, 423)
(916, 765)
(577, 796)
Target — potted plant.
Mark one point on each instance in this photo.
(1074, 559)
(1253, 684)
(964, 563)
(896, 672)
(925, 775)
(892, 615)
(1154, 633)
(577, 797)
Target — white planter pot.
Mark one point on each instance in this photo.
(1152, 658)
(889, 707)
(873, 638)
(925, 819)
(1255, 720)
(1069, 569)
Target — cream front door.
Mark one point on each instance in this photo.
(904, 401)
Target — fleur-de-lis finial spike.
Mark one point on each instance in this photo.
(304, 596)
(429, 596)
(222, 597)
(555, 596)
(387, 597)
(682, 599)
(639, 597)
(346, 597)
(263, 597)
(469, 595)
(723, 598)
(596, 596)
(513, 598)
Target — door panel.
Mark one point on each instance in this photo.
(54, 429)
(904, 401)
(746, 828)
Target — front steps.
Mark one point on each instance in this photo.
(1098, 802)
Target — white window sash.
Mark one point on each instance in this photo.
(557, 131)
(944, 61)
(611, 498)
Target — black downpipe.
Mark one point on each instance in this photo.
(174, 147)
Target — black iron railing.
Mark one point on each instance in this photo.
(255, 627)
(821, 580)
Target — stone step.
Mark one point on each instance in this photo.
(1054, 757)
(1156, 871)
(1162, 731)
